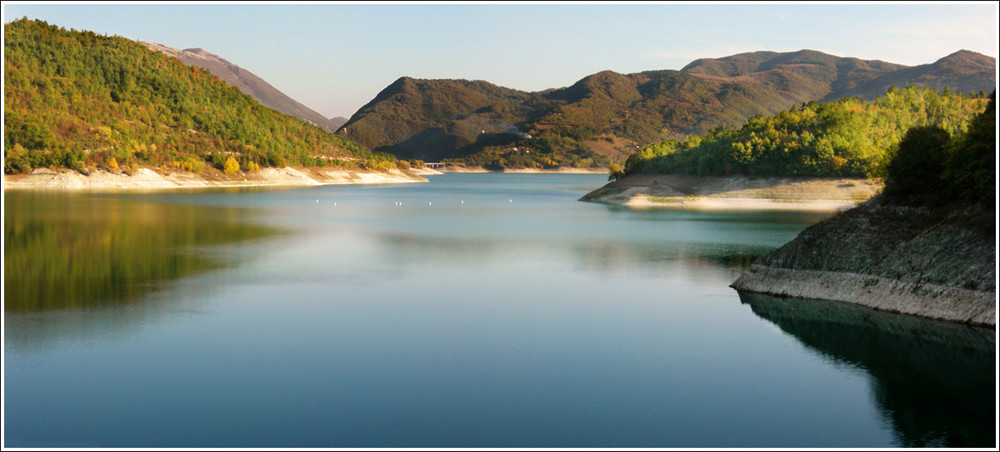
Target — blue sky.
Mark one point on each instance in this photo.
(335, 57)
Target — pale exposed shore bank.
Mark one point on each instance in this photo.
(736, 193)
(560, 170)
(151, 179)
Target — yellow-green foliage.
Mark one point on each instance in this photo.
(73, 98)
(849, 137)
(190, 164)
(231, 166)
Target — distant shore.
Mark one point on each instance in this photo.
(736, 193)
(153, 179)
(560, 170)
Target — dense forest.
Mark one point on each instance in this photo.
(81, 100)
(935, 167)
(850, 137)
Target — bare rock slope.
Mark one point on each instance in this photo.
(890, 258)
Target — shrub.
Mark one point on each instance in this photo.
(231, 166)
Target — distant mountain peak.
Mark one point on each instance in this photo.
(247, 82)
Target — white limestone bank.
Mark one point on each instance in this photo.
(889, 258)
(735, 193)
(151, 179)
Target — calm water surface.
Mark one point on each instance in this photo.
(477, 310)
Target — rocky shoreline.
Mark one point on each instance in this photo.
(153, 179)
(889, 258)
(735, 193)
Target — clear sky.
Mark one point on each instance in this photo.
(335, 57)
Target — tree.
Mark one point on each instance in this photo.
(615, 172)
(915, 174)
(231, 166)
(971, 167)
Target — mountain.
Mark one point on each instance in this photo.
(431, 119)
(338, 121)
(962, 71)
(247, 82)
(80, 100)
(606, 116)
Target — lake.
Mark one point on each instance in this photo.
(476, 310)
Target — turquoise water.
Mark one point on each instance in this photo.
(476, 310)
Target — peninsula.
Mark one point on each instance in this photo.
(926, 246)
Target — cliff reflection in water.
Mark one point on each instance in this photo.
(935, 382)
(66, 251)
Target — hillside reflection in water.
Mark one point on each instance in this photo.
(929, 378)
(489, 310)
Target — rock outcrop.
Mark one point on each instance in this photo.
(890, 258)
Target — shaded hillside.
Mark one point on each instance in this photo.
(606, 116)
(248, 83)
(82, 100)
(435, 119)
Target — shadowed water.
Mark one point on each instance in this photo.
(482, 310)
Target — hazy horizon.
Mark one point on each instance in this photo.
(335, 57)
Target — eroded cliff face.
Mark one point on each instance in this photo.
(891, 258)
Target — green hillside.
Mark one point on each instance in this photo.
(82, 100)
(607, 116)
(846, 138)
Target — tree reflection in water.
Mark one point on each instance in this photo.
(934, 381)
(68, 251)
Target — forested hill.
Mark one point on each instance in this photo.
(850, 137)
(80, 100)
(429, 119)
(606, 116)
(248, 82)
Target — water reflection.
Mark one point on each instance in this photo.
(66, 251)
(935, 382)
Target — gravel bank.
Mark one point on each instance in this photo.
(150, 179)
(735, 193)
